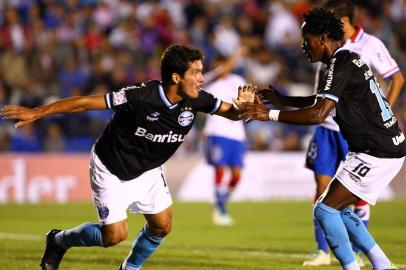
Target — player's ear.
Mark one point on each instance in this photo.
(175, 78)
(322, 39)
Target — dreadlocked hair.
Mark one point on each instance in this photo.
(320, 21)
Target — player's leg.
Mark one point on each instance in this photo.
(233, 157)
(321, 256)
(345, 190)
(363, 211)
(214, 156)
(153, 199)
(149, 238)
(112, 228)
(322, 159)
(327, 212)
(220, 193)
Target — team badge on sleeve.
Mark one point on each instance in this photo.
(119, 98)
(185, 118)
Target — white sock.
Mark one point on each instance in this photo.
(377, 258)
(352, 266)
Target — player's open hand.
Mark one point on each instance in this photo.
(25, 115)
(270, 96)
(246, 93)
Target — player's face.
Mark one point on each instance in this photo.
(192, 80)
(312, 48)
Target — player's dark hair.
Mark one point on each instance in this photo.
(341, 8)
(320, 21)
(176, 59)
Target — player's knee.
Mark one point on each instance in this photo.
(161, 230)
(113, 238)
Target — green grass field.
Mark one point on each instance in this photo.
(268, 235)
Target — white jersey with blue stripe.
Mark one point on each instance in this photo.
(225, 88)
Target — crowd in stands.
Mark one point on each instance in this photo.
(51, 49)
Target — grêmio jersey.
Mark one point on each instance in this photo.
(146, 129)
(362, 112)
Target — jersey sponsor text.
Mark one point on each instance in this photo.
(160, 138)
(330, 75)
(398, 139)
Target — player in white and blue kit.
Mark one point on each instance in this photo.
(224, 144)
(328, 147)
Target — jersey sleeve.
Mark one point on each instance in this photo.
(207, 103)
(381, 61)
(125, 99)
(336, 76)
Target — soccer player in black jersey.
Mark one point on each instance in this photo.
(377, 146)
(150, 122)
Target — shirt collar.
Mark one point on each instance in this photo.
(359, 32)
(165, 99)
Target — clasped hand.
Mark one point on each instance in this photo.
(257, 110)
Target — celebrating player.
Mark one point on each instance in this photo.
(328, 147)
(150, 122)
(377, 146)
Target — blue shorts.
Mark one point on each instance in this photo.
(220, 151)
(326, 150)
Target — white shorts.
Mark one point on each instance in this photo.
(367, 176)
(147, 194)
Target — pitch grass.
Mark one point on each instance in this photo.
(267, 235)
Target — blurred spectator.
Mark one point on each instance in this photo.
(26, 139)
(54, 140)
(54, 49)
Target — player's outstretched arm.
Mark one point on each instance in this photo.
(307, 116)
(68, 105)
(272, 96)
(395, 88)
(246, 94)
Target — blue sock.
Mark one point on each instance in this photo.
(144, 245)
(355, 248)
(335, 232)
(360, 236)
(357, 231)
(86, 235)
(221, 201)
(320, 238)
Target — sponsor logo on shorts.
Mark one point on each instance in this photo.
(355, 178)
(103, 212)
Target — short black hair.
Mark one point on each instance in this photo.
(176, 59)
(320, 21)
(341, 8)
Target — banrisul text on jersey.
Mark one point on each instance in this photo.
(160, 138)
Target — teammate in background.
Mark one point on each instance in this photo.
(225, 140)
(328, 147)
(150, 122)
(377, 146)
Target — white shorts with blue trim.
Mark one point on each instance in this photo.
(146, 194)
(367, 176)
